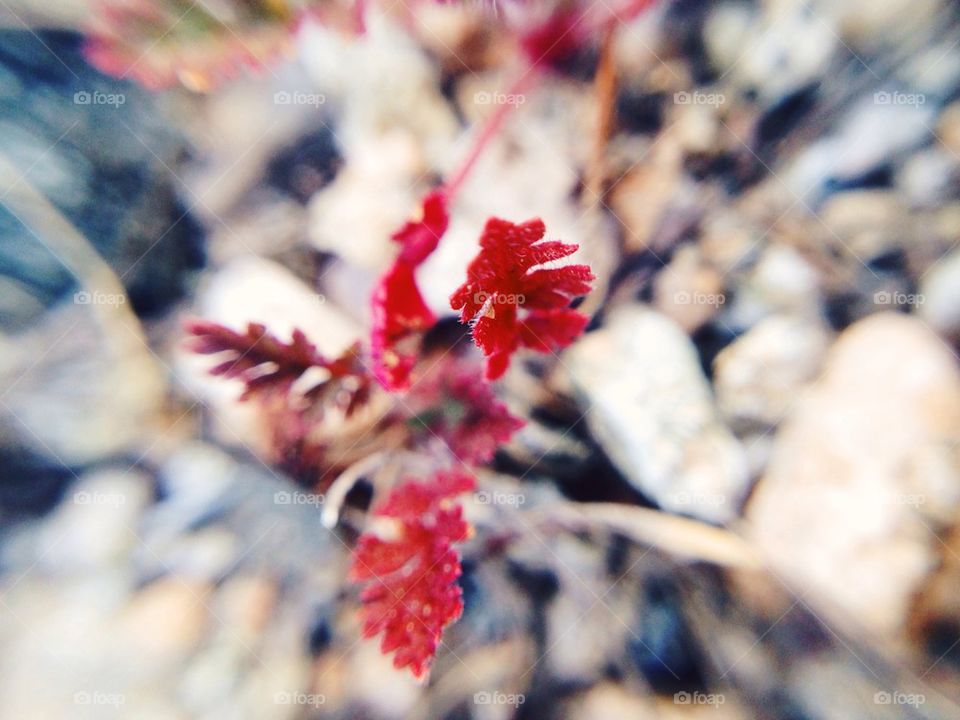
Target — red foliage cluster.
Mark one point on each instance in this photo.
(411, 593)
(514, 297)
(510, 303)
(448, 402)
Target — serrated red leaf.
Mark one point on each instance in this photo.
(268, 366)
(410, 593)
(510, 304)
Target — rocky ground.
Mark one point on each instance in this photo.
(738, 495)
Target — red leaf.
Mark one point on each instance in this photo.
(510, 304)
(269, 366)
(162, 43)
(449, 402)
(554, 40)
(411, 593)
(400, 315)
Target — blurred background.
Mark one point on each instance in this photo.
(736, 496)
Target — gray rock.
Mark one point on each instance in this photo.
(939, 296)
(864, 472)
(758, 376)
(781, 281)
(650, 407)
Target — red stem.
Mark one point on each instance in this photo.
(489, 130)
(493, 123)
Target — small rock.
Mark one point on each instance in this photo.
(939, 298)
(688, 290)
(277, 688)
(727, 238)
(207, 554)
(948, 128)
(80, 385)
(165, 621)
(925, 179)
(95, 525)
(759, 376)
(866, 223)
(341, 220)
(245, 604)
(864, 470)
(782, 280)
(869, 137)
(641, 200)
(375, 683)
(649, 406)
(697, 128)
(209, 681)
(608, 700)
(792, 48)
(194, 481)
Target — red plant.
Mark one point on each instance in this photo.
(411, 568)
(510, 304)
(400, 314)
(513, 297)
(450, 404)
